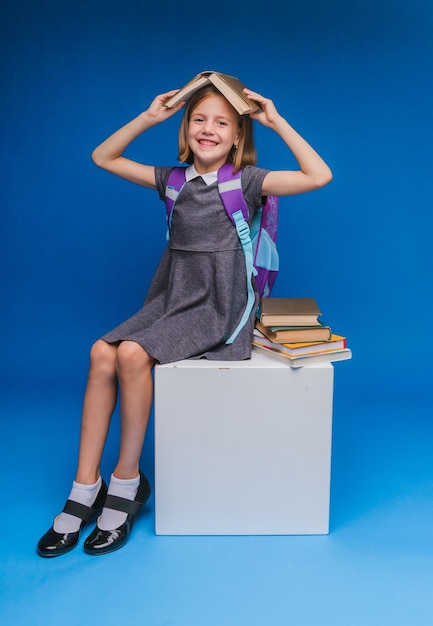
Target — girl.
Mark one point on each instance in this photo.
(194, 303)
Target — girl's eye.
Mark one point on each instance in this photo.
(222, 123)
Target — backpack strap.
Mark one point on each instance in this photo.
(230, 190)
(175, 183)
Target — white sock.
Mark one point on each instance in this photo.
(124, 488)
(84, 494)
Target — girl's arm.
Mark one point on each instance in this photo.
(108, 154)
(313, 172)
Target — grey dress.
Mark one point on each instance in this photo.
(199, 291)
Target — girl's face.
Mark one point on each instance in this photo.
(212, 131)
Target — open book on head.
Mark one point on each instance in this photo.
(229, 86)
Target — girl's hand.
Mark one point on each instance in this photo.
(157, 112)
(109, 154)
(313, 171)
(268, 115)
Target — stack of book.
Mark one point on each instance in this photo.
(289, 329)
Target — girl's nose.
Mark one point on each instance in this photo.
(208, 128)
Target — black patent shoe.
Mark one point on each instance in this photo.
(104, 541)
(56, 544)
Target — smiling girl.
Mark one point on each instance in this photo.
(195, 301)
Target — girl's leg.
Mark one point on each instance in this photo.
(134, 371)
(88, 490)
(132, 366)
(98, 406)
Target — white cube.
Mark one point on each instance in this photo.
(242, 447)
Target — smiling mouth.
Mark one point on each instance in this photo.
(207, 142)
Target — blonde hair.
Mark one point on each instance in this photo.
(244, 154)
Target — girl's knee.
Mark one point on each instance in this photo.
(132, 357)
(103, 354)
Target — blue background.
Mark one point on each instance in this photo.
(78, 247)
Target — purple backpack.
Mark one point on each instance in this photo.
(258, 240)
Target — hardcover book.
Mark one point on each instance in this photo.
(229, 86)
(305, 359)
(336, 342)
(296, 334)
(289, 312)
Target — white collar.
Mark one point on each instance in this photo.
(209, 178)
